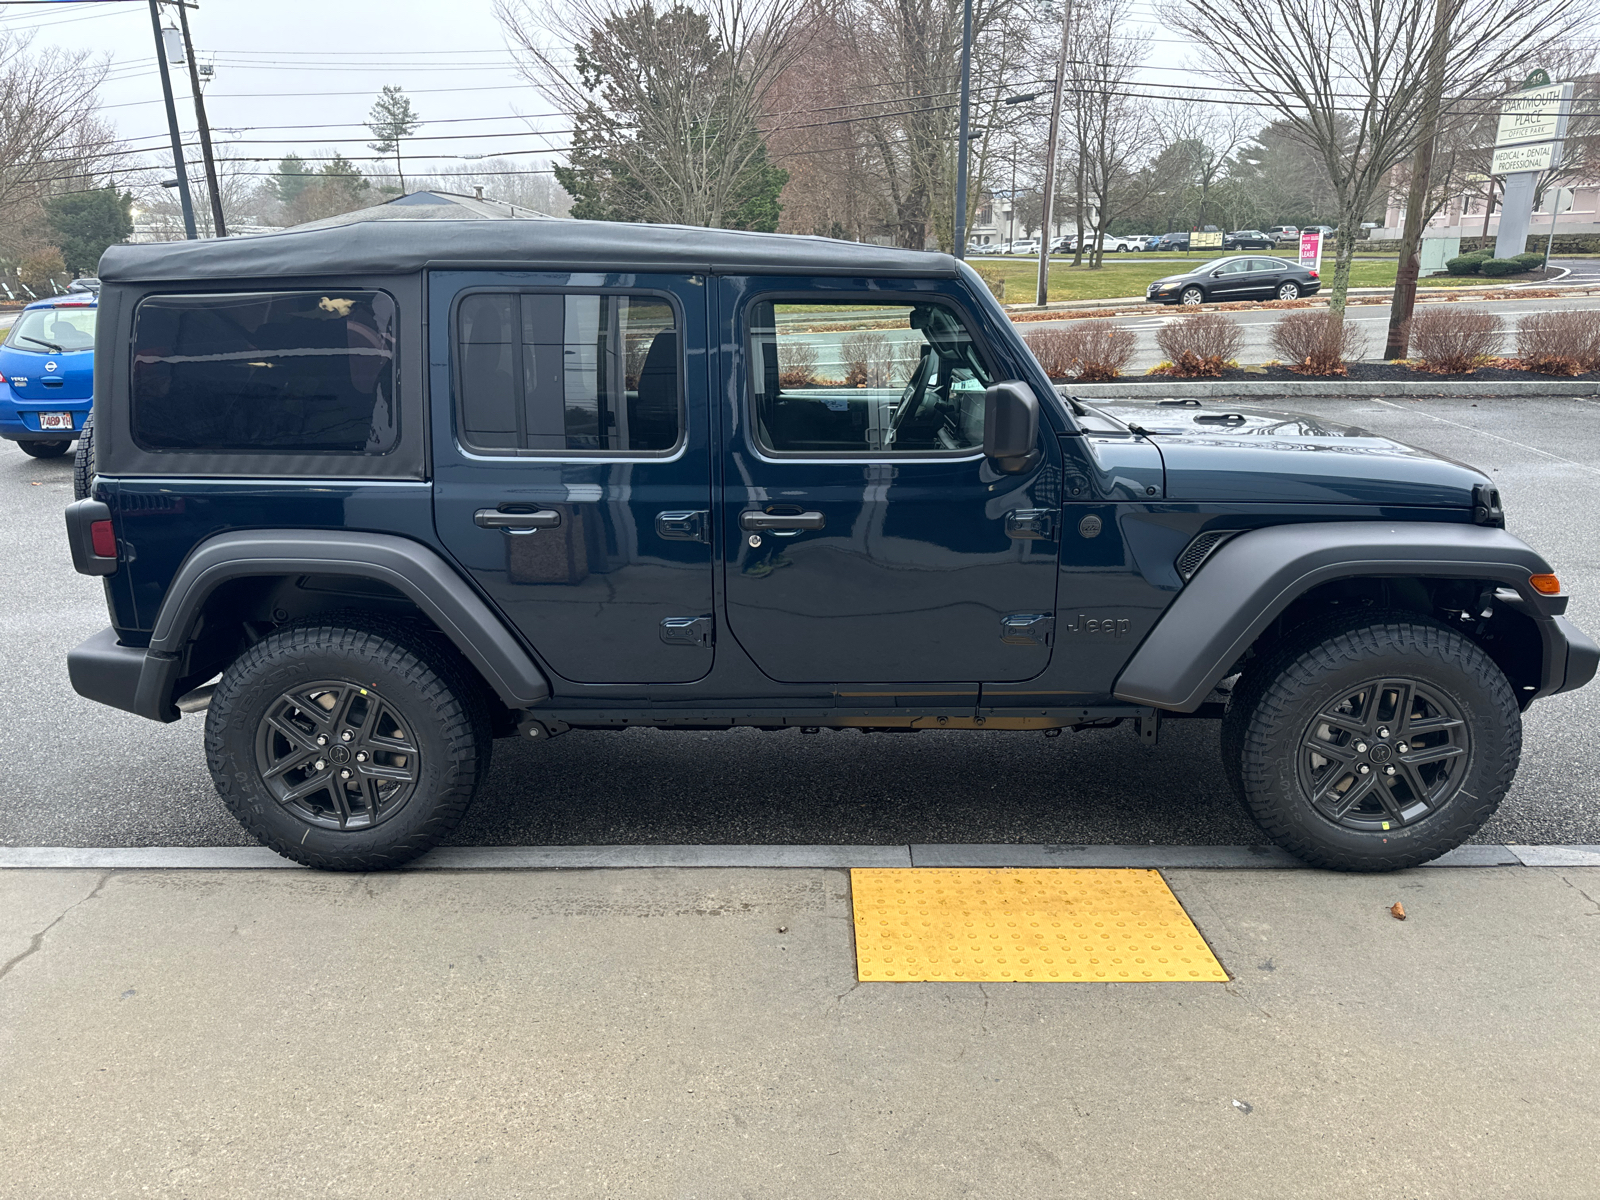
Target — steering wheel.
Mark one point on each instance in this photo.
(910, 398)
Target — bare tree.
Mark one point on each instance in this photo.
(1111, 123)
(667, 102)
(50, 138)
(1208, 132)
(1350, 75)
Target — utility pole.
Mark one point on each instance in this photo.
(172, 124)
(1050, 157)
(1405, 284)
(204, 126)
(960, 248)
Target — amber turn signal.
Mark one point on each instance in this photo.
(1545, 585)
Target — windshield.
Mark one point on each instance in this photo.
(54, 330)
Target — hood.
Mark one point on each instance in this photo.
(1241, 454)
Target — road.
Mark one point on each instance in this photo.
(77, 774)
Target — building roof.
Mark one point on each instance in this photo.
(400, 247)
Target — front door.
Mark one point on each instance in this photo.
(571, 459)
(868, 538)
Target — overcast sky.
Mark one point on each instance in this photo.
(310, 62)
(282, 63)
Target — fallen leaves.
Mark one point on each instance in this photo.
(1397, 911)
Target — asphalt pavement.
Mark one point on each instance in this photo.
(78, 774)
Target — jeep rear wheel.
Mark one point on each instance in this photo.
(1375, 746)
(346, 748)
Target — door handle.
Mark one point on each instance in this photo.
(760, 522)
(515, 522)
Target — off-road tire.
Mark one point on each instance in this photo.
(1276, 706)
(83, 461)
(46, 449)
(445, 712)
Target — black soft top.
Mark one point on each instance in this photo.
(404, 247)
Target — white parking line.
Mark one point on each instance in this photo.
(1474, 429)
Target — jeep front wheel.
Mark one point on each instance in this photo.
(344, 748)
(1373, 747)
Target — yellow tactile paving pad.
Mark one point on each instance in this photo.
(1054, 925)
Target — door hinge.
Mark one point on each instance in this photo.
(1027, 629)
(686, 631)
(684, 526)
(1031, 523)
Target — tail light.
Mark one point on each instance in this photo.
(103, 537)
(1312, 273)
(93, 537)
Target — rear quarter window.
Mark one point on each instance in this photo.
(304, 372)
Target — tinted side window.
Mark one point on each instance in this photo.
(266, 372)
(882, 379)
(552, 373)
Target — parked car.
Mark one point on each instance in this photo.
(1024, 246)
(336, 474)
(1224, 279)
(1153, 242)
(1247, 239)
(1283, 233)
(47, 374)
(1327, 231)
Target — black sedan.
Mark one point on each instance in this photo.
(1224, 279)
(1246, 239)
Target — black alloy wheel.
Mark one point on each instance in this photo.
(1289, 291)
(1384, 755)
(337, 755)
(1372, 741)
(351, 745)
(1191, 297)
(45, 449)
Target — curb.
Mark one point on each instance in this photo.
(1200, 389)
(545, 858)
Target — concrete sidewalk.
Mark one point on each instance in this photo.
(700, 1033)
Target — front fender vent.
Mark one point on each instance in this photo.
(1197, 551)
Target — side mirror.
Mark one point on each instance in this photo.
(1010, 425)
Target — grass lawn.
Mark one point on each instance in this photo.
(1129, 275)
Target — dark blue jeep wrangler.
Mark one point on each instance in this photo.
(410, 487)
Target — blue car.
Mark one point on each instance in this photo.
(47, 374)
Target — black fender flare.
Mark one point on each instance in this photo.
(410, 567)
(1251, 579)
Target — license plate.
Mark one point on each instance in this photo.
(55, 421)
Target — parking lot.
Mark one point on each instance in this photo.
(79, 774)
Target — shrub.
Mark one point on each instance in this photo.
(872, 360)
(1202, 336)
(1309, 345)
(1559, 343)
(1450, 340)
(1465, 264)
(38, 268)
(1501, 266)
(1529, 261)
(797, 363)
(1085, 350)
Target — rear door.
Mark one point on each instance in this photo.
(571, 463)
(1266, 274)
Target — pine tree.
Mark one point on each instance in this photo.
(85, 223)
(392, 120)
